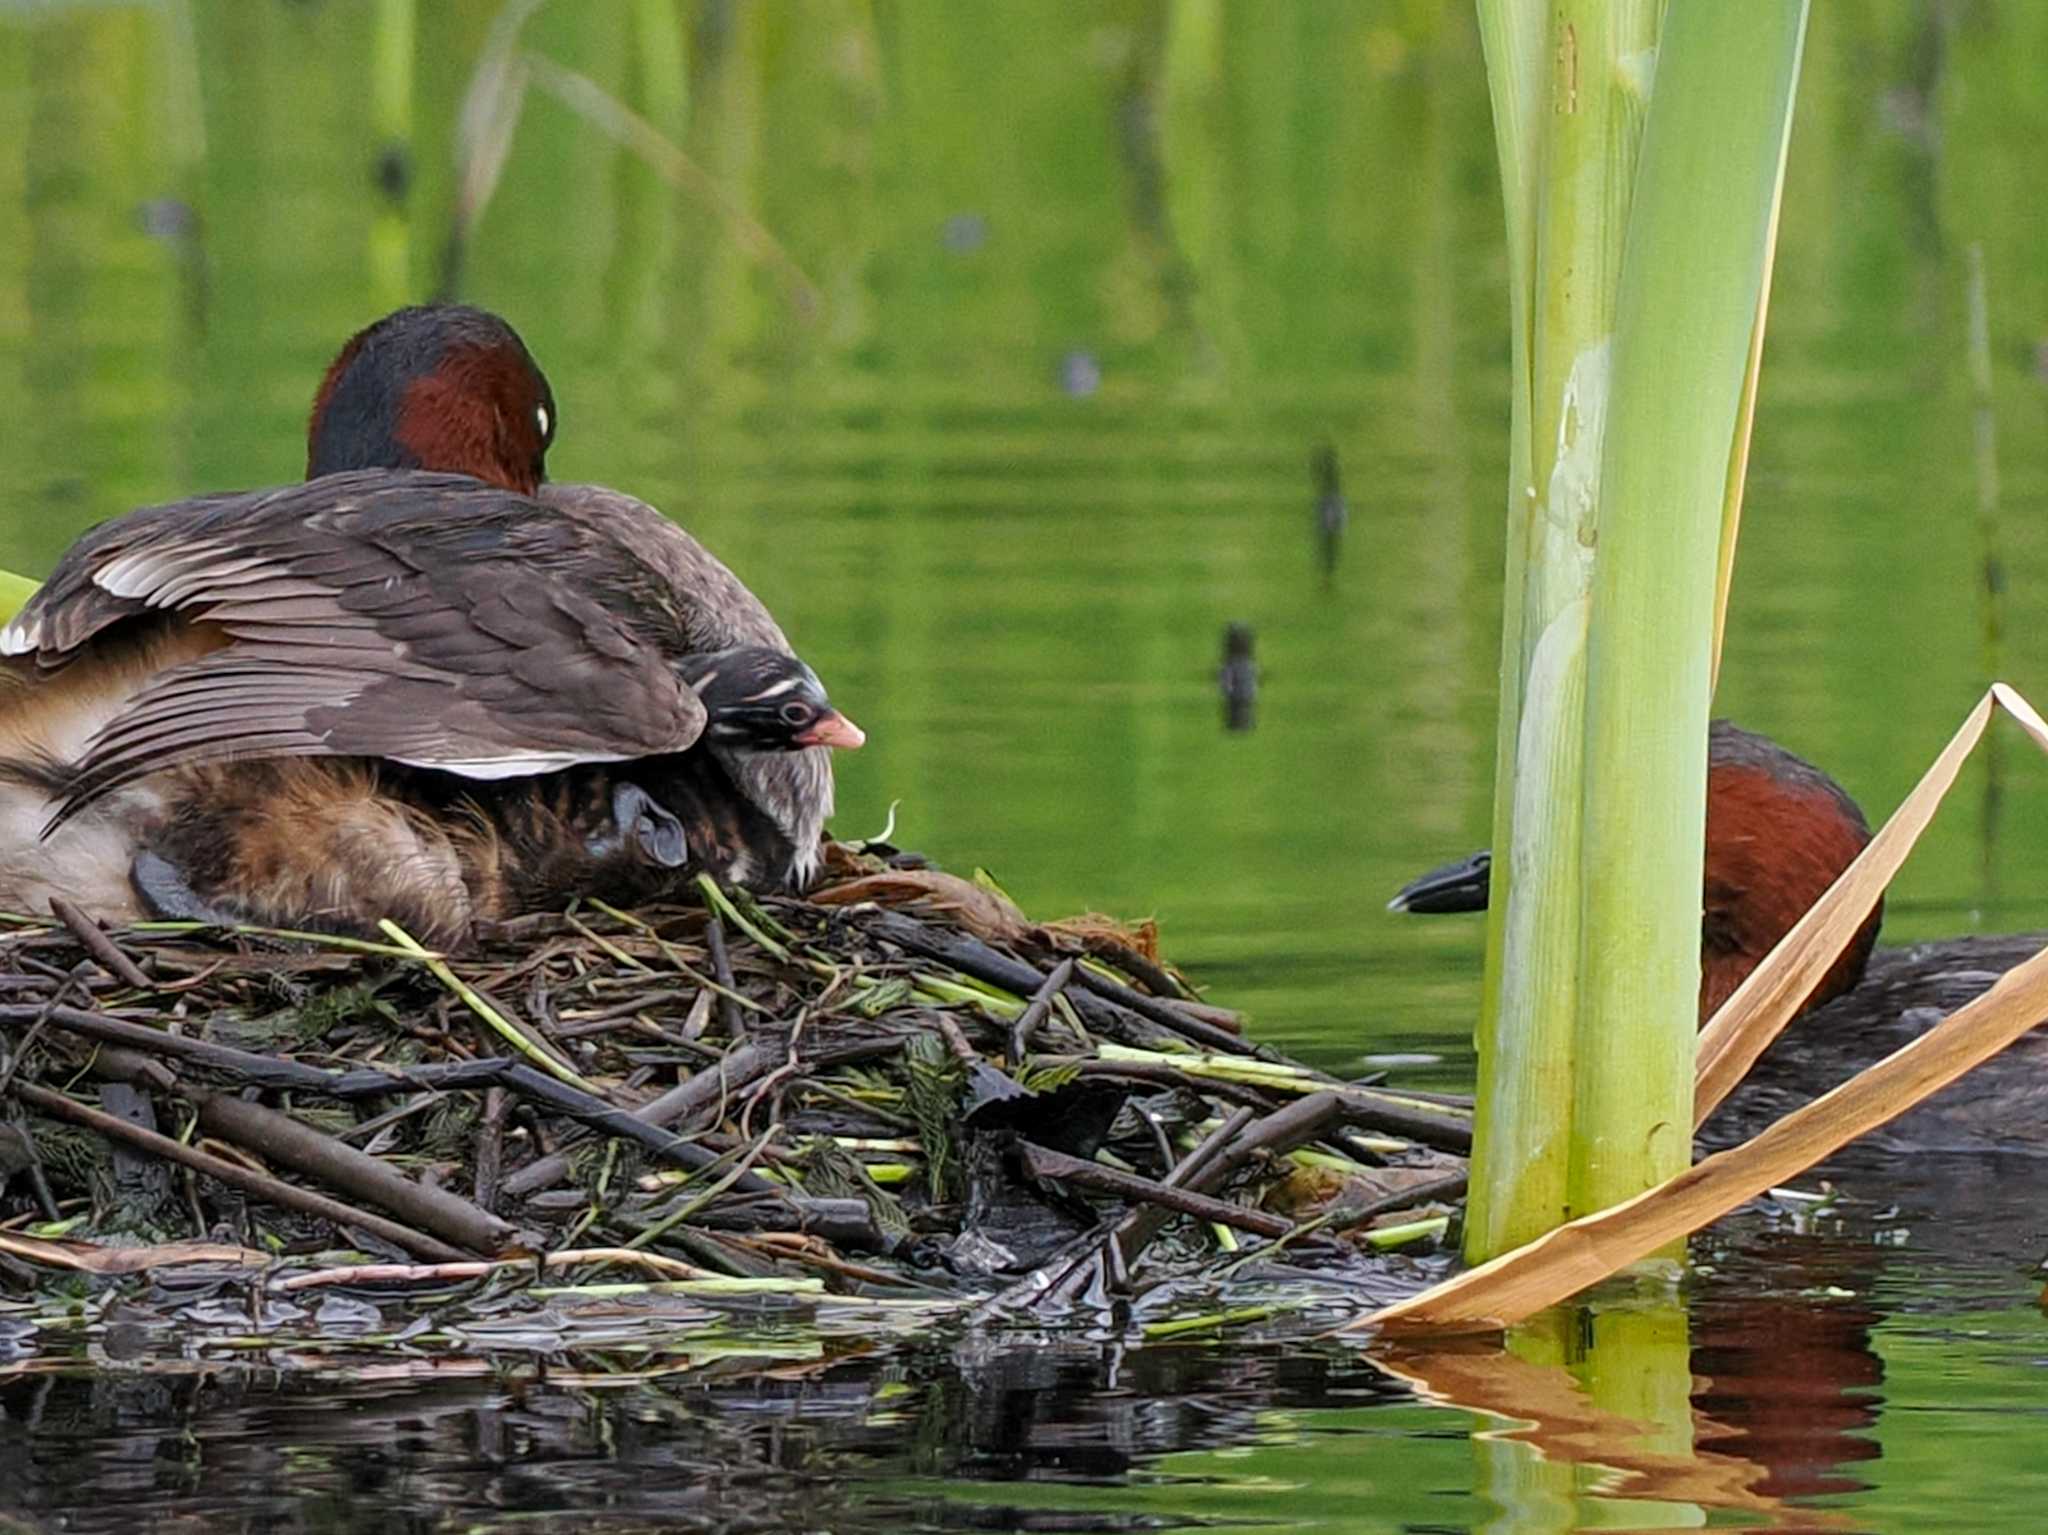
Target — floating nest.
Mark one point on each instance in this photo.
(894, 1091)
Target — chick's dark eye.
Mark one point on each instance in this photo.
(795, 713)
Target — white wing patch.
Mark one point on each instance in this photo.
(520, 765)
(138, 575)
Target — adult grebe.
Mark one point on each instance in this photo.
(329, 682)
(1779, 832)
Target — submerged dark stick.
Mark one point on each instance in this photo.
(270, 1190)
(1036, 1287)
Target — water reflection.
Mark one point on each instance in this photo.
(1788, 1394)
(848, 1444)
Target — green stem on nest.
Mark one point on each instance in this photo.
(504, 1027)
(1385, 1238)
(719, 902)
(287, 935)
(741, 1160)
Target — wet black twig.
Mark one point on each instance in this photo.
(1034, 1012)
(1043, 1162)
(1435, 1191)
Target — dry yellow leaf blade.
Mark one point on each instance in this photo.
(92, 1258)
(1567, 1260)
(1750, 1019)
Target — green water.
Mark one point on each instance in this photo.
(990, 341)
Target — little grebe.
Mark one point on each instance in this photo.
(446, 636)
(1779, 831)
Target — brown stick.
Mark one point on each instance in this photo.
(1188, 1173)
(1163, 1074)
(1441, 1129)
(264, 1070)
(741, 1068)
(281, 1139)
(1156, 978)
(1401, 1199)
(1282, 1130)
(1168, 1016)
(438, 1273)
(261, 1185)
(1034, 1012)
(970, 956)
(490, 1148)
(100, 946)
(721, 971)
(270, 1071)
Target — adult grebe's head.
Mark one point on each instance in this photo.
(1779, 832)
(439, 386)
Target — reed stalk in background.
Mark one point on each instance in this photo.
(391, 91)
(1990, 547)
(1640, 176)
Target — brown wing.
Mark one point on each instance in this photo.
(721, 612)
(429, 619)
(68, 609)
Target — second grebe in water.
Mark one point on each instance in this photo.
(1779, 832)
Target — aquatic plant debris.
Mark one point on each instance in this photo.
(897, 1097)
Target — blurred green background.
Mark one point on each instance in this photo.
(990, 343)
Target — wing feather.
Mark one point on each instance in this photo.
(425, 618)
